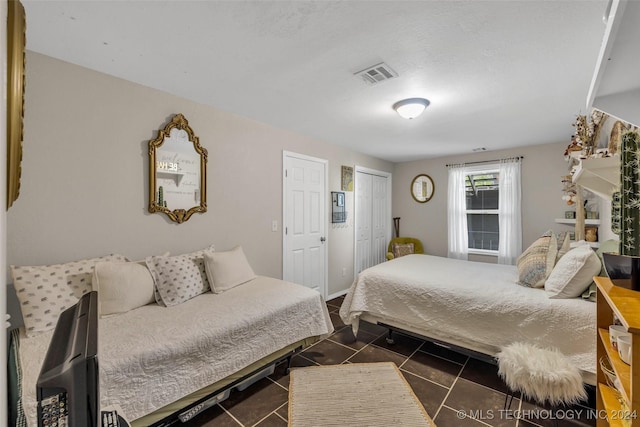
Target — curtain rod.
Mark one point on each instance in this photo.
(486, 161)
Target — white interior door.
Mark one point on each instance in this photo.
(305, 221)
(373, 217)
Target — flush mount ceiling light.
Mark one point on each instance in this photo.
(411, 108)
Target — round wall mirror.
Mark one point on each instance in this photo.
(422, 188)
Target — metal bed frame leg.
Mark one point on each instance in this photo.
(289, 361)
(389, 338)
(508, 398)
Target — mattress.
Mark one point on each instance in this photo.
(152, 356)
(471, 304)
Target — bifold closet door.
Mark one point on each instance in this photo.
(372, 219)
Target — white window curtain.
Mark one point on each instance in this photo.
(457, 213)
(509, 211)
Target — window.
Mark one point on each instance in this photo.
(483, 210)
(482, 195)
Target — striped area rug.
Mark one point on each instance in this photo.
(359, 394)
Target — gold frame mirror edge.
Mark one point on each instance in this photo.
(178, 215)
(427, 197)
(16, 43)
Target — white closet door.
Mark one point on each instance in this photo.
(373, 222)
(379, 219)
(363, 185)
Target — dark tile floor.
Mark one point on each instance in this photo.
(455, 390)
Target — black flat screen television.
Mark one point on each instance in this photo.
(68, 384)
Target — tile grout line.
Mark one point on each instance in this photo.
(411, 355)
(231, 415)
(474, 419)
(444, 358)
(269, 414)
(451, 388)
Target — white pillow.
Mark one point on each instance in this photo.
(122, 286)
(45, 291)
(227, 269)
(573, 273)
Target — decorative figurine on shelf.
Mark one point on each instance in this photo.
(591, 234)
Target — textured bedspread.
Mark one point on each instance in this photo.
(473, 303)
(152, 356)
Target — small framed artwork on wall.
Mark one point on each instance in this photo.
(347, 178)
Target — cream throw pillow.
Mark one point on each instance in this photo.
(122, 286)
(45, 291)
(573, 273)
(226, 270)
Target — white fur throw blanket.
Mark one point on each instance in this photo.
(540, 374)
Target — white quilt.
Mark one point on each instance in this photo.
(152, 356)
(476, 304)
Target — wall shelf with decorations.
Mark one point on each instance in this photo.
(600, 176)
(570, 221)
(587, 222)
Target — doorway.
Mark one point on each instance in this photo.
(304, 224)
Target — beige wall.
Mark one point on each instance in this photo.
(84, 183)
(542, 168)
(84, 176)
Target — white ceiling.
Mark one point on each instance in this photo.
(498, 74)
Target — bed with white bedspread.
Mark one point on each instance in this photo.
(152, 356)
(474, 305)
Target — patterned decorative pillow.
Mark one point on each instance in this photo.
(178, 278)
(198, 258)
(564, 244)
(402, 249)
(536, 262)
(46, 291)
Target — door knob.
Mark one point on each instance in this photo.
(322, 239)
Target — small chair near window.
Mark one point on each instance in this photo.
(399, 246)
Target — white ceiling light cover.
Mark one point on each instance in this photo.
(411, 108)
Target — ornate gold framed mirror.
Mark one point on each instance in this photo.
(177, 172)
(422, 188)
(16, 30)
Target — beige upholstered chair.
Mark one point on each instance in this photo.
(417, 245)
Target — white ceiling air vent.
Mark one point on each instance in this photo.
(377, 73)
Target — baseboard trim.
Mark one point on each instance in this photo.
(337, 294)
